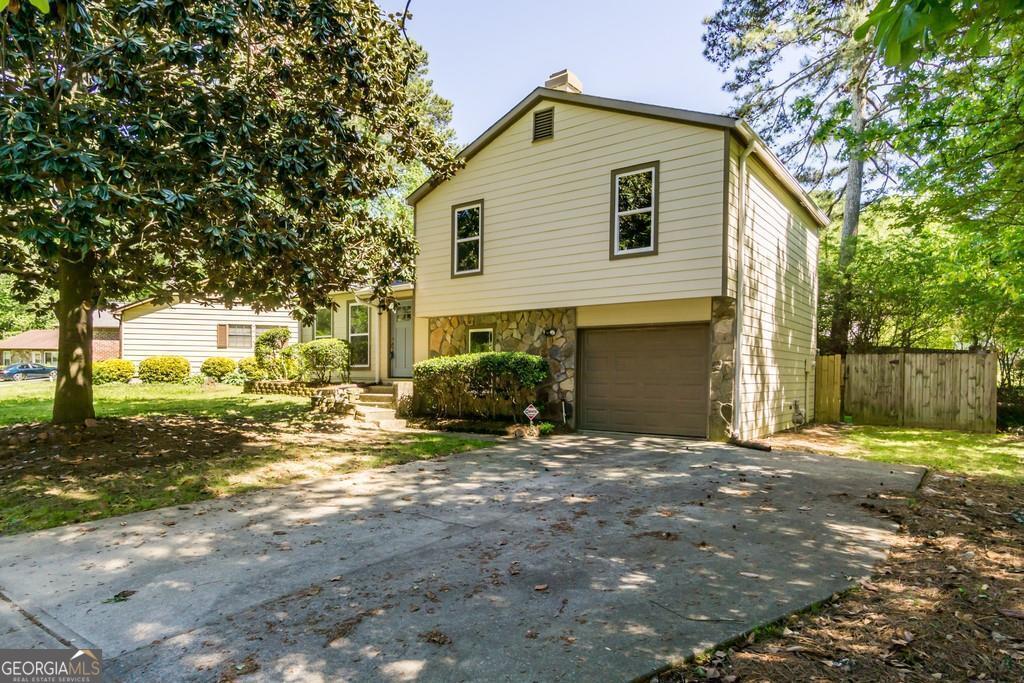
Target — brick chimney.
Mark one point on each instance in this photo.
(565, 81)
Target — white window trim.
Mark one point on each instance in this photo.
(650, 209)
(469, 338)
(463, 240)
(350, 334)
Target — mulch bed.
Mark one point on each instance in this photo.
(947, 604)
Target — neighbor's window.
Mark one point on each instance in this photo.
(481, 340)
(467, 232)
(359, 335)
(239, 336)
(634, 219)
(49, 357)
(7, 358)
(260, 329)
(323, 323)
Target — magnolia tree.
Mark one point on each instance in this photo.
(203, 150)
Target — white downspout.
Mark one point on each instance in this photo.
(741, 235)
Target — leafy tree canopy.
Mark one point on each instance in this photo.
(20, 311)
(204, 149)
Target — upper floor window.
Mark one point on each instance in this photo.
(634, 229)
(359, 335)
(468, 238)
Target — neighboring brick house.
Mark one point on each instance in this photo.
(40, 346)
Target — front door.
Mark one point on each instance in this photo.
(401, 340)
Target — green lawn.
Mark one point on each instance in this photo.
(33, 401)
(168, 445)
(986, 455)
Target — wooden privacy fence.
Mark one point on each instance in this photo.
(943, 390)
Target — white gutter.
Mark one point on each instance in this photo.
(741, 234)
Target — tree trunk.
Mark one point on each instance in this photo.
(841, 318)
(72, 401)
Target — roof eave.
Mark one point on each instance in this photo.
(782, 173)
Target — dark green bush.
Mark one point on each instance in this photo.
(164, 369)
(488, 384)
(321, 358)
(251, 369)
(1010, 408)
(270, 353)
(217, 368)
(112, 370)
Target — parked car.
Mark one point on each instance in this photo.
(20, 371)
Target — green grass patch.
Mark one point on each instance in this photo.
(33, 402)
(999, 456)
(92, 481)
(987, 455)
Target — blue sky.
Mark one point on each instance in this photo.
(486, 55)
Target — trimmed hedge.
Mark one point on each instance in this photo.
(321, 358)
(217, 368)
(164, 369)
(487, 384)
(112, 370)
(251, 369)
(277, 361)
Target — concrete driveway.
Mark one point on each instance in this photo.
(589, 557)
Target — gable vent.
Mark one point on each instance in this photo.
(544, 124)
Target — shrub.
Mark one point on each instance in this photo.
(270, 353)
(321, 358)
(488, 384)
(251, 370)
(217, 368)
(112, 370)
(545, 428)
(235, 377)
(196, 380)
(164, 369)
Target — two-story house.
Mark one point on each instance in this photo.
(662, 260)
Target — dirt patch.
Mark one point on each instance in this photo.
(831, 439)
(945, 605)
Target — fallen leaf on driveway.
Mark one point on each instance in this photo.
(540, 587)
(120, 597)
(435, 637)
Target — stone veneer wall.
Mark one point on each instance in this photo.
(520, 331)
(723, 336)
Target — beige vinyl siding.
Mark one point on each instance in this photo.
(546, 218)
(733, 214)
(379, 348)
(190, 330)
(780, 308)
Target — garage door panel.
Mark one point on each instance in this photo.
(650, 379)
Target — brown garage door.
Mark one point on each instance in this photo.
(646, 379)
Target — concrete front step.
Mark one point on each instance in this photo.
(386, 424)
(373, 413)
(375, 399)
